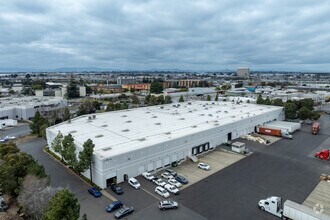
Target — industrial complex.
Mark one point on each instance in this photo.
(130, 142)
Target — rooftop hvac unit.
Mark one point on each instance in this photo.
(94, 116)
(89, 118)
(69, 121)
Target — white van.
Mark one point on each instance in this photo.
(134, 183)
(162, 192)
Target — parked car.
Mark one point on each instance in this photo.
(114, 206)
(117, 189)
(167, 175)
(174, 182)
(159, 182)
(148, 176)
(3, 206)
(172, 172)
(203, 166)
(167, 204)
(134, 183)
(162, 192)
(172, 189)
(124, 211)
(181, 179)
(95, 192)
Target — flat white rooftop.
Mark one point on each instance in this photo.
(27, 101)
(118, 132)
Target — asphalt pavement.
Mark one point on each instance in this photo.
(17, 131)
(65, 178)
(284, 168)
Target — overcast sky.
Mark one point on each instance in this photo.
(166, 34)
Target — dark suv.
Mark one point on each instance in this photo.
(181, 179)
(114, 206)
(117, 189)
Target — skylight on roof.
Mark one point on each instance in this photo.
(125, 130)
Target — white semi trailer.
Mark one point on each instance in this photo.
(290, 210)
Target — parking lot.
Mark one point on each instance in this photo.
(217, 160)
(285, 168)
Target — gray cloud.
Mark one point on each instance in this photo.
(209, 35)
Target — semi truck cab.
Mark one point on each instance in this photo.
(323, 154)
(272, 205)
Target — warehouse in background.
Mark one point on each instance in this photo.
(130, 142)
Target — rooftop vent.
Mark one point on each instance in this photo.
(147, 112)
(98, 136)
(189, 103)
(124, 116)
(71, 132)
(129, 121)
(216, 124)
(104, 126)
(181, 118)
(158, 123)
(210, 115)
(201, 114)
(142, 139)
(125, 130)
(89, 117)
(194, 126)
(106, 148)
(154, 116)
(167, 133)
(94, 116)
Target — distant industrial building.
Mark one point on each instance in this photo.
(137, 86)
(126, 80)
(130, 142)
(26, 107)
(243, 72)
(59, 92)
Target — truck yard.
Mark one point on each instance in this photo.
(285, 168)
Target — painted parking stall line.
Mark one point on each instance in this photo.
(150, 193)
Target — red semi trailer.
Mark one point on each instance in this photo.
(270, 131)
(323, 154)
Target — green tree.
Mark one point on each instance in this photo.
(290, 110)
(160, 99)
(84, 217)
(15, 166)
(216, 98)
(72, 89)
(11, 92)
(181, 99)
(69, 151)
(57, 144)
(110, 107)
(267, 101)
(226, 87)
(260, 100)
(66, 114)
(135, 100)
(153, 100)
(38, 124)
(208, 98)
(315, 115)
(308, 103)
(147, 98)
(86, 157)
(304, 113)
(132, 90)
(239, 85)
(156, 87)
(168, 99)
(277, 102)
(64, 205)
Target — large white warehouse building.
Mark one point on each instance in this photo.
(133, 141)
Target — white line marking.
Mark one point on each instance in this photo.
(150, 193)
